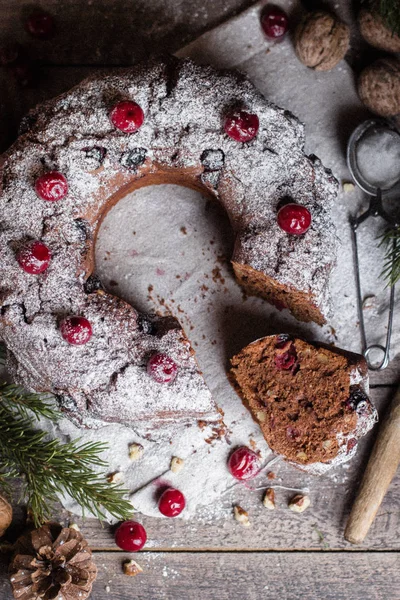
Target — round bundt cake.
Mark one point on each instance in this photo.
(163, 121)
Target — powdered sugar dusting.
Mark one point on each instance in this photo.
(184, 106)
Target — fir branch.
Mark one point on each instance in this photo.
(39, 404)
(389, 10)
(391, 269)
(50, 468)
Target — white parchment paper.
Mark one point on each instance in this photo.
(165, 248)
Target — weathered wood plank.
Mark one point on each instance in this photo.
(231, 576)
(109, 33)
(320, 527)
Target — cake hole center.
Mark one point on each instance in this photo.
(166, 249)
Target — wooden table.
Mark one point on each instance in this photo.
(282, 555)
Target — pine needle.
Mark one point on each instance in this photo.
(39, 404)
(2, 354)
(49, 467)
(391, 269)
(389, 10)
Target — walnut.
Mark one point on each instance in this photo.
(379, 87)
(375, 32)
(321, 40)
(299, 503)
(269, 499)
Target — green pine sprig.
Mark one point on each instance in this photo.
(391, 269)
(40, 405)
(389, 10)
(49, 468)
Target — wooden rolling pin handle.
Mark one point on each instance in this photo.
(381, 468)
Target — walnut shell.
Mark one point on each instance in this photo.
(321, 40)
(5, 515)
(379, 87)
(375, 32)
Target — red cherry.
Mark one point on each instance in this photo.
(274, 22)
(241, 125)
(34, 257)
(162, 368)
(51, 186)
(76, 330)
(127, 116)
(352, 443)
(294, 219)
(171, 503)
(40, 25)
(130, 536)
(243, 463)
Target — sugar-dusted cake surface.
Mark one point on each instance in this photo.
(182, 141)
(310, 400)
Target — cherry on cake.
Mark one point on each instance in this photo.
(310, 400)
(161, 121)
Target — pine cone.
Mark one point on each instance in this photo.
(52, 563)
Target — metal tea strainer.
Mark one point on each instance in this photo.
(379, 177)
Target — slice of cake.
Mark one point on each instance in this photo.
(309, 399)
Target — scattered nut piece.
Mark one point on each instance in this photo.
(135, 451)
(177, 464)
(74, 526)
(271, 475)
(299, 503)
(269, 499)
(131, 568)
(115, 477)
(241, 516)
(370, 302)
(348, 186)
